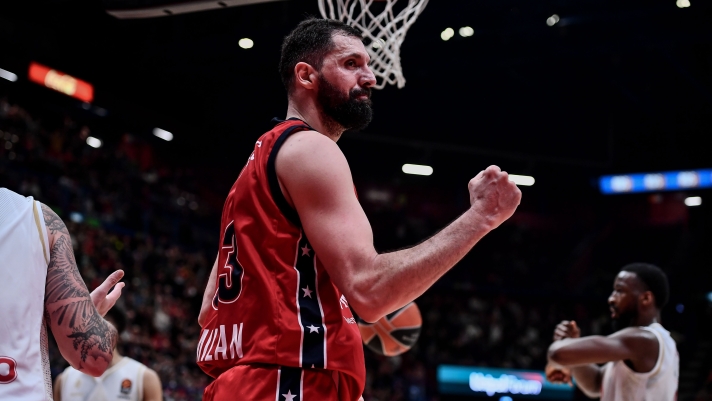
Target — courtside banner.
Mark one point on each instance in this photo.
(498, 383)
(61, 82)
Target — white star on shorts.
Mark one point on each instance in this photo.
(313, 329)
(289, 396)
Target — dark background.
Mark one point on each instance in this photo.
(614, 87)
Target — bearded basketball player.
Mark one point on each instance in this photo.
(297, 249)
(40, 286)
(640, 360)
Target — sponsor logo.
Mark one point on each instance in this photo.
(125, 386)
(503, 384)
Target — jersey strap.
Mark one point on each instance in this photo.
(276, 191)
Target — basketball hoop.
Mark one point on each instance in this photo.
(383, 31)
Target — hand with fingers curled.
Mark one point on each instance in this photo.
(557, 374)
(566, 329)
(101, 297)
(493, 195)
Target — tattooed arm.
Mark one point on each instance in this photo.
(84, 338)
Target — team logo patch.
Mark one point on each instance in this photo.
(125, 386)
(8, 370)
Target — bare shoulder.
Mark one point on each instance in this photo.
(309, 147)
(53, 222)
(151, 375)
(637, 337)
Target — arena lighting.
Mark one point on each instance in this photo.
(163, 134)
(522, 180)
(93, 142)
(683, 3)
(5, 74)
(503, 383)
(466, 31)
(246, 43)
(61, 82)
(553, 20)
(693, 201)
(654, 182)
(447, 34)
(417, 169)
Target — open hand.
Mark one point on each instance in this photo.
(493, 195)
(102, 299)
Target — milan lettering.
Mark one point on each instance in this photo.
(217, 337)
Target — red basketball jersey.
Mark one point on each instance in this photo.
(275, 303)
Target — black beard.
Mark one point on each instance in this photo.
(347, 111)
(623, 320)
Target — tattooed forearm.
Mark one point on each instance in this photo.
(52, 221)
(69, 308)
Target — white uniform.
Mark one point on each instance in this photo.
(121, 382)
(24, 255)
(620, 383)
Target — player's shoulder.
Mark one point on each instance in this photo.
(310, 147)
(637, 337)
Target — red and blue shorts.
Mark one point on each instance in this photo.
(276, 383)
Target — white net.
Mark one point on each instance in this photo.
(383, 29)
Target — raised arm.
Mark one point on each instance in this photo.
(572, 355)
(638, 346)
(316, 180)
(84, 338)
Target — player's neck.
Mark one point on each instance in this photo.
(117, 358)
(313, 116)
(647, 319)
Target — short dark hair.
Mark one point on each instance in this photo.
(309, 42)
(118, 318)
(654, 279)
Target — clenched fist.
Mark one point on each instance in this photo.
(566, 329)
(493, 195)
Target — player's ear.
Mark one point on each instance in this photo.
(646, 298)
(305, 75)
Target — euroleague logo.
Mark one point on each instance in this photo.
(8, 370)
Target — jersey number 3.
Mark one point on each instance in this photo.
(230, 276)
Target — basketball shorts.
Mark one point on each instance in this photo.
(276, 383)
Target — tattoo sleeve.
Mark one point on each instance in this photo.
(69, 308)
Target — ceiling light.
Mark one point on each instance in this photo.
(93, 142)
(523, 180)
(8, 75)
(447, 34)
(417, 169)
(163, 134)
(466, 31)
(693, 201)
(683, 3)
(246, 43)
(551, 21)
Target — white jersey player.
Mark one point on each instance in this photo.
(39, 286)
(124, 380)
(640, 360)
